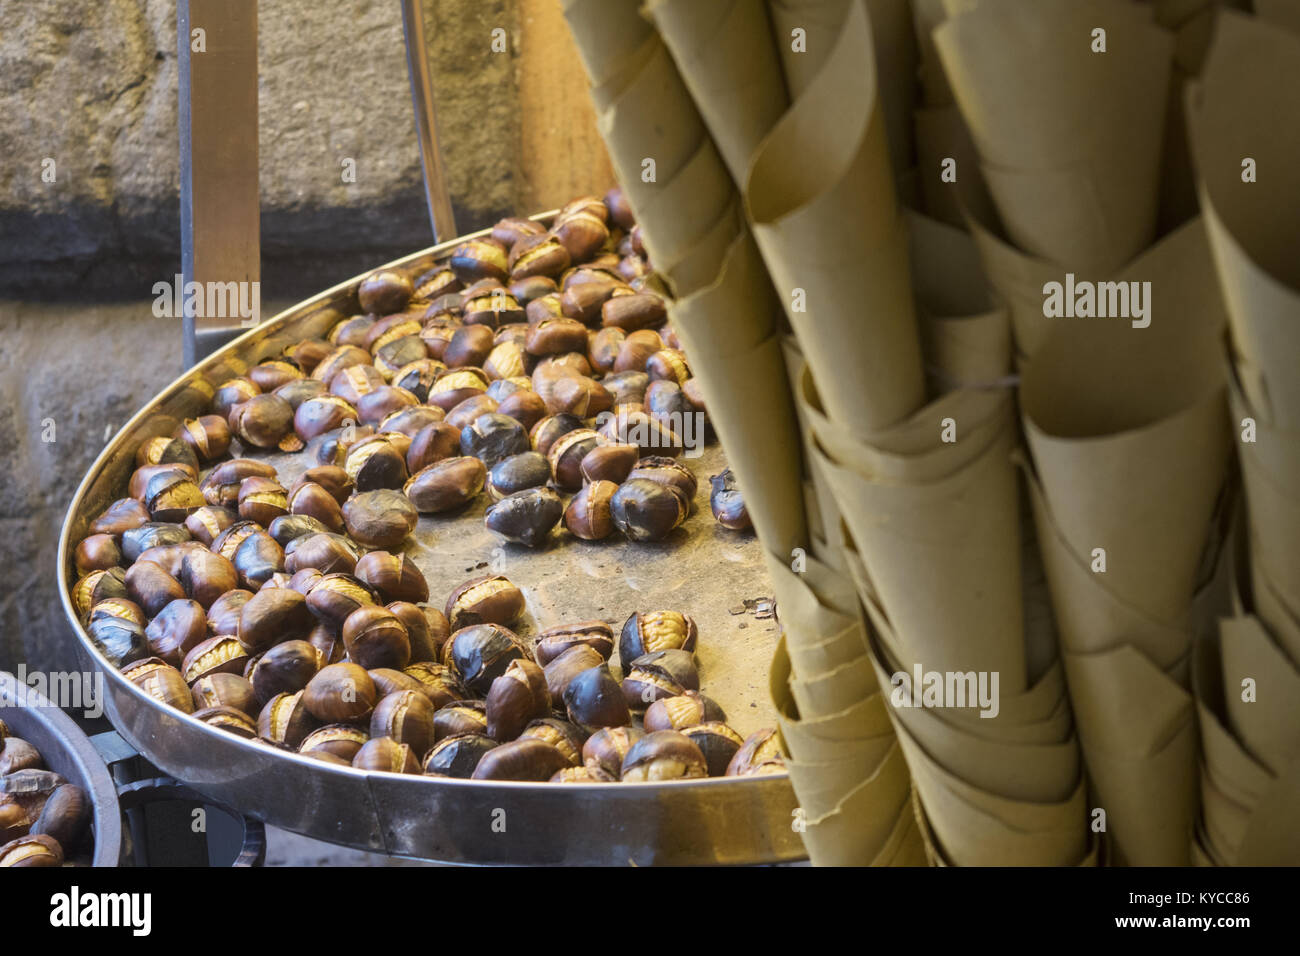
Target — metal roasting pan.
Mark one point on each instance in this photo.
(702, 569)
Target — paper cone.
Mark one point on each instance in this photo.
(821, 695)
(605, 92)
(700, 266)
(1069, 139)
(678, 217)
(729, 328)
(820, 197)
(607, 34)
(864, 826)
(820, 22)
(904, 846)
(1233, 113)
(894, 46)
(823, 787)
(941, 134)
(944, 557)
(728, 58)
(1268, 723)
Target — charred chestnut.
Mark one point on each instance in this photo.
(608, 747)
(526, 517)
(554, 641)
(446, 485)
(458, 756)
(594, 699)
(519, 695)
(380, 519)
(524, 759)
(663, 755)
(517, 473)
(481, 653)
(645, 510)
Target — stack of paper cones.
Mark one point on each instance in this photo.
(844, 762)
(1248, 680)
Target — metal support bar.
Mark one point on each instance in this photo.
(426, 124)
(220, 233)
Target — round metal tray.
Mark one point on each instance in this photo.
(702, 569)
(68, 752)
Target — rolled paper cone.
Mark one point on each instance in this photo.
(1090, 617)
(679, 215)
(1236, 772)
(941, 135)
(1261, 689)
(893, 42)
(946, 268)
(1235, 114)
(607, 33)
(818, 24)
(729, 328)
(727, 56)
(611, 87)
(820, 195)
(976, 828)
(945, 559)
(904, 846)
(933, 852)
(699, 266)
(1023, 74)
(1272, 608)
(655, 119)
(818, 658)
(933, 81)
(863, 824)
(820, 695)
(822, 786)
(1138, 731)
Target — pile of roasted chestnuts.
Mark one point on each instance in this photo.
(44, 820)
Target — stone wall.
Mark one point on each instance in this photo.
(92, 86)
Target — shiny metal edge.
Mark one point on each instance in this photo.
(727, 821)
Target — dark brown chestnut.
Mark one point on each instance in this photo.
(554, 641)
(340, 740)
(524, 759)
(233, 392)
(609, 462)
(172, 495)
(256, 559)
(340, 693)
(487, 600)
(718, 742)
(98, 586)
(262, 500)
(65, 817)
(176, 629)
(562, 670)
(31, 851)
(375, 637)
(386, 755)
(727, 503)
(478, 259)
(663, 755)
(525, 406)
(98, 552)
(626, 388)
(563, 735)
(457, 385)
(223, 614)
(588, 514)
(374, 463)
(686, 710)
(284, 669)
(224, 690)
(285, 721)
(583, 775)
(299, 390)
(646, 510)
(658, 674)
(668, 472)
(593, 699)
(271, 616)
(119, 517)
(209, 521)
(492, 438)
(384, 291)
(519, 695)
(287, 529)
(262, 421)
(208, 436)
(166, 451)
(467, 411)
(222, 654)
(642, 310)
(221, 486)
(526, 517)
(335, 596)
(460, 717)
(446, 485)
(394, 577)
(608, 747)
(760, 754)
(517, 473)
(457, 756)
(431, 444)
(312, 500)
(426, 627)
(481, 653)
(647, 631)
(152, 587)
(407, 718)
(547, 431)
(380, 519)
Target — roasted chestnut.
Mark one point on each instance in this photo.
(98, 586)
(166, 451)
(340, 692)
(176, 629)
(678, 713)
(316, 416)
(554, 641)
(583, 775)
(626, 388)
(224, 690)
(393, 576)
(152, 534)
(567, 454)
(336, 596)
(221, 486)
(284, 669)
(31, 851)
(548, 430)
(380, 519)
(222, 654)
(519, 695)
(65, 817)
(524, 406)
(478, 259)
(386, 755)
(209, 521)
(481, 653)
(273, 615)
(646, 510)
(526, 517)
(228, 719)
(446, 485)
(298, 390)
(594, 699)
(340, 740)
(609, 462)
(172, 495)
(658, 674)
(487, 600)
(262, 421)
(663, 755)
(727, 503)
(223, 615)
(285, 721)
(375, 463)
(384, 291)
(375, 637)
(563, 735)
(492, 438)
(588, 514)
(718, 742)
(455, 386)
(608, 747)
(433, 443)
(151, 587)
(668, 472)
(406, 717)
(262, 500)
(524, 759)
(207, 436)
(17, 754)
(341, 358)
(517, 473)
(119, 517)
(647, 631)
(426, 627)
(561, 671)
(458, 756)
(287, 529)
(256, 559)
(642, 310)
(759, 754)
(233, 392)
(312, 500)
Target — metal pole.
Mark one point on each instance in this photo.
(220, 234)
(426, 125)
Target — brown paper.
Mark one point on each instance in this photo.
(863, 827)
(678, 217)
(728, 58)
(1069, 139)
(904, 846)
(941, 134)
(607, 33)
(1284, 13)
(823, 787)
(1267, 724)
(820, 21)
(699, 267)
(1233, 113)
(820, 196)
